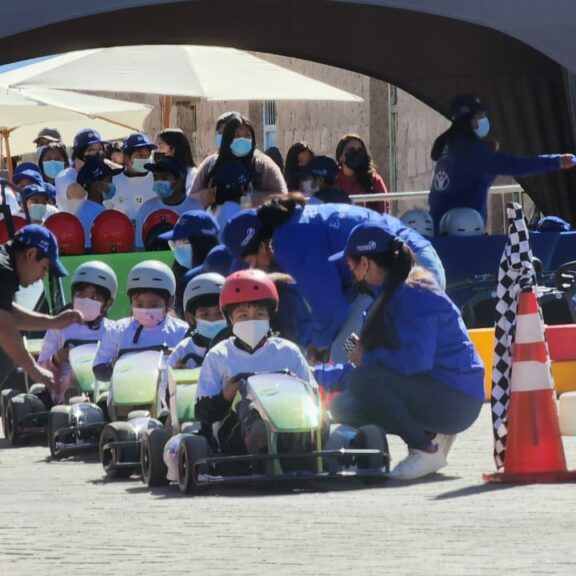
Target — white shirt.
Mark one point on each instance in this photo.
(226, 360)
(131, 193)
(187, 346)
(224, 212)
(190, 175)
(86, 213)
(61, 182)
(157, 204)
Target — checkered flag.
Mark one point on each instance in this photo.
(515, 272)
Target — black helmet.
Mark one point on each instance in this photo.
(465, 106)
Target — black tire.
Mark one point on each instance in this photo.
(371, 437)
(192, 449)
(59, 418)
(154, 468)
(118, 432)
(6, 395)
(16, 409)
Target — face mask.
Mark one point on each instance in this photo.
(163, 188)
(210, 329)
(241, 146)
(138, 164)
(40, 149)
(149, 317)
(218, 140)
(52, 167)
(110, 193)
(251, 332)
(91, 309)
(37, 212)
(183, 255)
(308, 188)
(356, 159)
(483, 128)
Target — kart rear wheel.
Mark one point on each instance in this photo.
(192, 449)
(371, 437)
(118, 432)
(59, 418)
(154, 468)
(16, 409)
(6, 395)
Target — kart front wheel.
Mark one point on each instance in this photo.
(5, 397)
(192, 449)
(17, 408)
(371, 437)
(59, 418)
(112, 457)
(154, 468)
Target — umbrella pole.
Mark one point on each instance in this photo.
(166, 109)
(6, 136)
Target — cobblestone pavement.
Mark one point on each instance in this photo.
(64, 518)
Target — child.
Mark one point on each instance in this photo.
(248, 300)
(204, 317)
(150, 286)
(94, 286)
(38, 202)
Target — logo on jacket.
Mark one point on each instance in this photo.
(441, 181)
(367, 247)
(250, 233)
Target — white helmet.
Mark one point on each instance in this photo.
(420, 220)
(151, 274)
(462, 222)
(203, 285)
(97, 273)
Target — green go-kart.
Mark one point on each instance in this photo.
(159, 448)
(134, 407)
(295, 430)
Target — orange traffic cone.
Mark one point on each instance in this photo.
(534, 450)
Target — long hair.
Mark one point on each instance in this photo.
(293, 172)
(460, 128)
(176, 139)
(364, 178)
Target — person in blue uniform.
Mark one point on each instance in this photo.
(467, 163)
(417, 373)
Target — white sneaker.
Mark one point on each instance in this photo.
(419, 464)
(445, 442)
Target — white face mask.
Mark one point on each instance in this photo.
(38, 212)
(149, 317)
(209, 329)
(138, 164)
(251, 332)
(308, 188)
(91, 309)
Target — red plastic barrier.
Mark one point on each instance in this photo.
(561, 342)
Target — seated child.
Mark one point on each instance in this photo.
(150, 287)
(93, 287)
(248, 300)
(202, 310)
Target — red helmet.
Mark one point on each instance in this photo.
(111, 232)
(157, 223)
(68, 231)
(248, 286)
(18, 221)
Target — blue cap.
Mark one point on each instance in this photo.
(192, 224)
(322, 166)
(86, 137)
(553, 224)
(29, 174)
(167, 164)
(240, 234)
(138, 140)
(27, 166)
(368, 238)
(94, 169)
(217, 260)
(50, 189)
(39, 237)
(232, 175)
(35, 190)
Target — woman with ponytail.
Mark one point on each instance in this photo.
(417, 373)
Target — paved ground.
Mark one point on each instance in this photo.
(63, 518)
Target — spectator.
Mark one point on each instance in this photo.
(45, 137)
(114, 153)
(274, 153)
(37, 200)
(297, 158)
(320, 187)
(52, 161)
(173, 142)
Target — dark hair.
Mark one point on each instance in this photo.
(100, 290)
(18, 248)
(225, 154)
(164, 294)
(462, 127)
(112, 148)
(274, 153)
(176, 139)
(204, 301)
(53, 146)
(292, 172)
(223, 118)
(269, 304)
(364, 178)
(201, 245)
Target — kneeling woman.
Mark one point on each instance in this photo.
(418, 375)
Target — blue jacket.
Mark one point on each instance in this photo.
(428, 336)
(467, 169)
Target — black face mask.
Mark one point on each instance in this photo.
(356, 159)
(100, 155)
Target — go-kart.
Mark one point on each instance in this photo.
(76, 427)
(159, 448)
(134, 408)
(295, 431)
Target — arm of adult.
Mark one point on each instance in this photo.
(271, 179)
(27, 320)
(75, 192)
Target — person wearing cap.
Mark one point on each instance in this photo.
(218, 260)
(134, 185)
(69, 194)
(45, 137)
(169, 189)
(24, 261)
(319, 187)
(38, 203)
(52, 161)
(193, 236)
(95, 177)
(172, 142)
(467, 163)
(25, 174)
(417, 373)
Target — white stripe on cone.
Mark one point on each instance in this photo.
(530, 376)
(528, 329)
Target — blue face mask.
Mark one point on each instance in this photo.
(218, 140)
(183, 255)
(110, 193)
(163, 188)
(53, 167)
(483, 128)
(139, 163)
(241, 146)
(210, 329)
